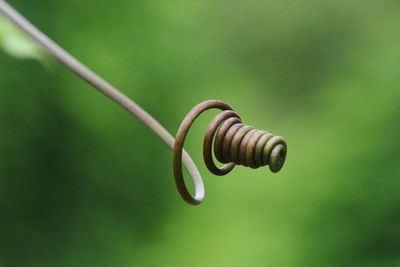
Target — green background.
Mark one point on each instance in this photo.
(82, 183)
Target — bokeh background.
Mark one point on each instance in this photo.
(82, 183)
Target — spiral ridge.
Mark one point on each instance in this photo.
(238, 144)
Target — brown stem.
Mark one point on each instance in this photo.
(104, 87)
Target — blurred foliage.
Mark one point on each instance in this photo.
(14, 42)
(82, 183)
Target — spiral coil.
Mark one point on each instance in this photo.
(233, 142)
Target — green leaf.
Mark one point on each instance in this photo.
(17, 44)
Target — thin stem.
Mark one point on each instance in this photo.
(103, 86)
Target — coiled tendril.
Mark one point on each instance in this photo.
(234, 144)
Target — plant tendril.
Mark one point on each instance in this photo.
(234, 142)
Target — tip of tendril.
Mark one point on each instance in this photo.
(277, 158)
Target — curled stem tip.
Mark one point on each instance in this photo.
(234, 142)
